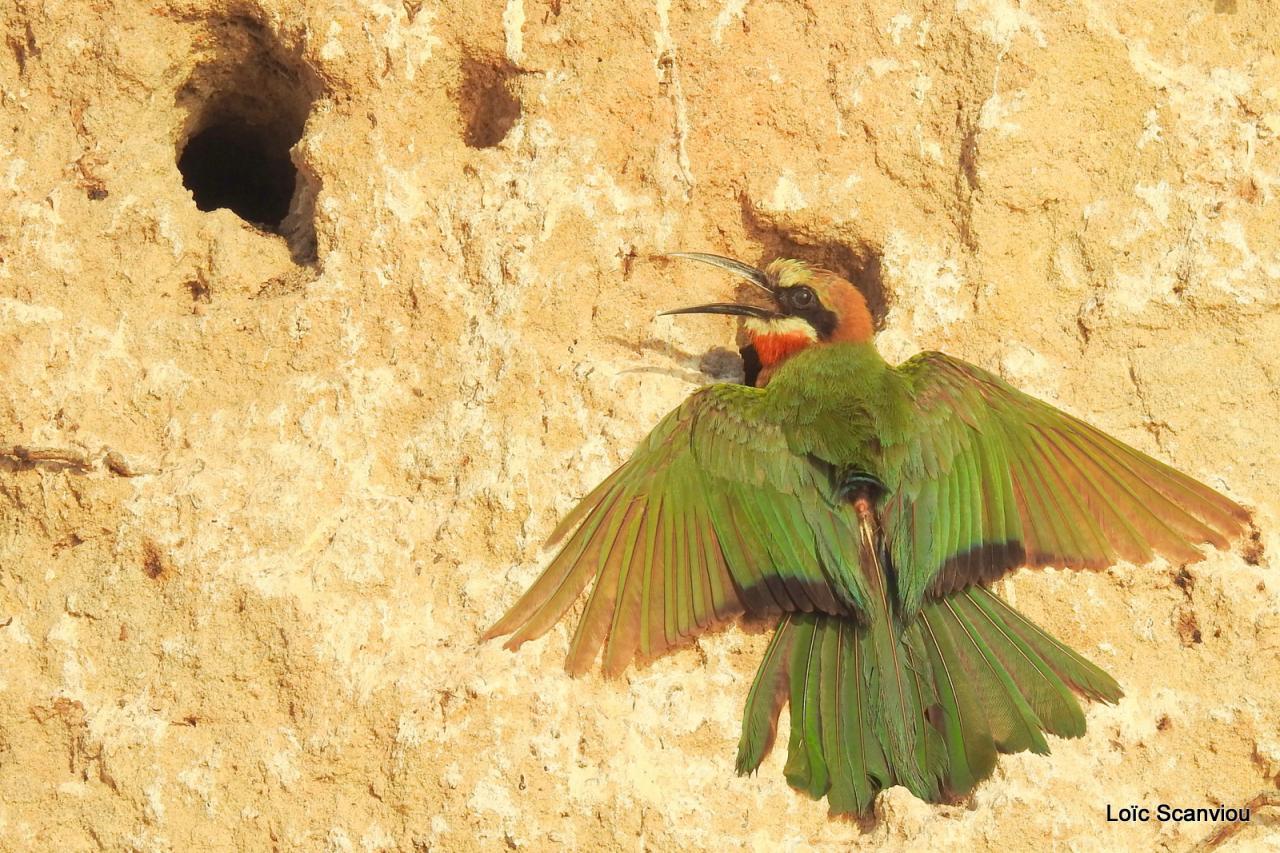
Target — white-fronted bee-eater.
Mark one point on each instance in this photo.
(870, 507)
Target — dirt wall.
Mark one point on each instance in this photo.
(299, 465)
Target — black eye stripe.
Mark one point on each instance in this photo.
(802, 302)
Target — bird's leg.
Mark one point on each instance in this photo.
(869, 528)
(875, 559)
(866, 511)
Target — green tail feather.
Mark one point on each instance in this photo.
(981, 676)
(806, 767)
(1077, 672)
(865, 766)
(764, 701)
(1013, 725)
(971, 751)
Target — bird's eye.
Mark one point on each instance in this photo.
(802, 297)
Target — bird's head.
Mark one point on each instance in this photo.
(806, 306)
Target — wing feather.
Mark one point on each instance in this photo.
(986, 479)
(714, 514)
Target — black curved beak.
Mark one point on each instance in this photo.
(738, 268)
(733, 309)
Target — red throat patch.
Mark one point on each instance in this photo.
(774, 349)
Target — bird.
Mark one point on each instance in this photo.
(869, 508)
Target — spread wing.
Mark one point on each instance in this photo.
(988, 479)
(714, 514)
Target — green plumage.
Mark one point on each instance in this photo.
(899, 665)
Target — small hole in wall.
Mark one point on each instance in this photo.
(247, 104)
(488, 106)
(243, 168)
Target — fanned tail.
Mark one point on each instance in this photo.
(978, 676)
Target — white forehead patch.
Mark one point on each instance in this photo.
(781, 326)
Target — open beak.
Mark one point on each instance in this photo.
(734, 309)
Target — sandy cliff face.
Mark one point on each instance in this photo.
(297, 473)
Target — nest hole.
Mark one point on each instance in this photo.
(488, 105)
(246, 107)
(859, 264)
(243, 167)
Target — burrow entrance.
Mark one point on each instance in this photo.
(855, 261)
(486, 100)
(246, 105)
(242, 167)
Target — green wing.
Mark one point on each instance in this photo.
(713, 515)
(988, 479)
